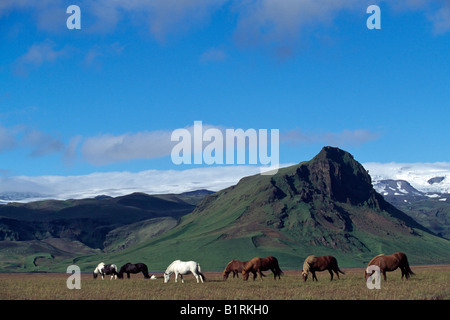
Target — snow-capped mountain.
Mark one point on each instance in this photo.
(414, 178)
(392, 187)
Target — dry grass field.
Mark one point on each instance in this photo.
(429, 283)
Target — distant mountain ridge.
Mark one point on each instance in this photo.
(58, 229)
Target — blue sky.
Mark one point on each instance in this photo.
(106, 97)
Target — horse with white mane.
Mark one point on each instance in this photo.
(181, 267)
(105, 269)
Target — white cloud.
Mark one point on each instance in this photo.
(280, 22)
(160, 17)
(37, 55)
(7, 139)
(109, 148)
(441, 18)
(42, 143)
(276, 23)
(39, 142)
(213, 55)
(122, 183)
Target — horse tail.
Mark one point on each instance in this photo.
(339, 270)
(408, 270)
(145, 272)
(277, 267)
(199, 271)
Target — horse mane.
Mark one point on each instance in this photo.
(227, 268)
(170, 265)
(308, 261)
(376, 257)
(254, 262)
(101, 264)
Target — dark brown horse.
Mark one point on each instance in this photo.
(258, 264)
(390, 263)
(313, 264)
(234, 266)
(133, 268)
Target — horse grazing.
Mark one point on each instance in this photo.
(234, 266)
(390, 263)
(313, 264)
(181, 267)
(133, 268)
(258, 264)
(105, 269)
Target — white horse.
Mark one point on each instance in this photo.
(106, 269)
(181, 267)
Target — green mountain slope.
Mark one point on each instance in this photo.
(58, 230)
(323, 206)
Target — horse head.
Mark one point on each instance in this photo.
(166, 277)
(368, 272)
(245, 274)
(304, 275)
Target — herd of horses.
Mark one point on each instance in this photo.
(255, 266)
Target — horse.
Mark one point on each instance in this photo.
(313, 264)
(133, 268)
(234, 266)
(258, 264)
(181, 267)
(390, 263)
(105, 269)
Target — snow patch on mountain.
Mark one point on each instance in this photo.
(424, 177)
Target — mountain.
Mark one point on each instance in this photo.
(424, 177)
(323, 206)
(55, 230)
(430, 209)
(390, 187)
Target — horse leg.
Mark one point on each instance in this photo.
(128, 275)
(384, 275)
(181, 277)
(404, 273)
(337, 273)
(274, 274)
(331, 274)
(314, 276)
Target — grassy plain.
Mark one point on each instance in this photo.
(429, 283)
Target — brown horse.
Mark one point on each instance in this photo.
(390, 263)
(313, 264)
(236, 267)
(258, 264)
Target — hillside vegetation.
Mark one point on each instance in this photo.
(323, 206)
